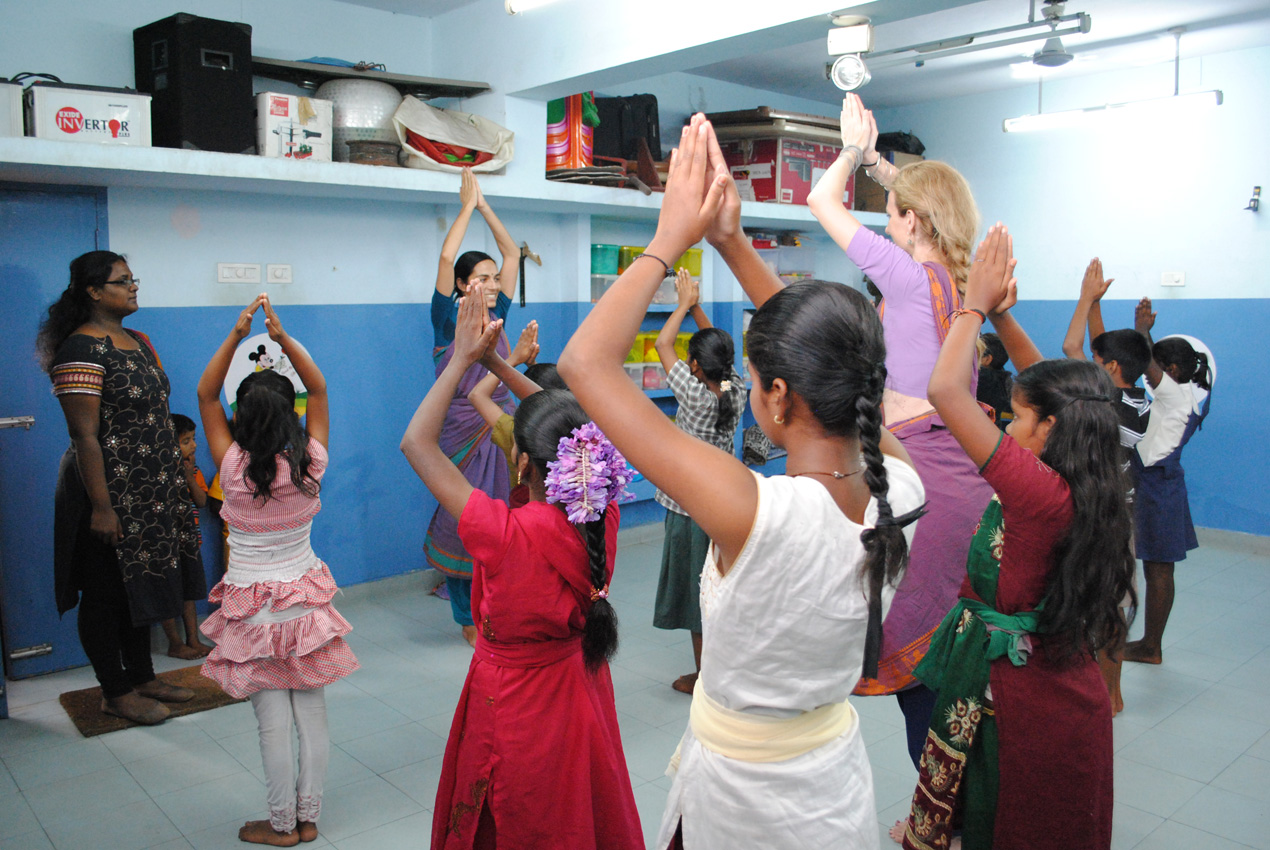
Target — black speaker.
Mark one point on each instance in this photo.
(198, 72)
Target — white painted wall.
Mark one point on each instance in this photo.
(1146, 196)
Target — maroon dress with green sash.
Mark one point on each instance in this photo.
(1019, 754)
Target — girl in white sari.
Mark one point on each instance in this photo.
(773, 755)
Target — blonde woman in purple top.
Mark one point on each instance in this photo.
(920, 271)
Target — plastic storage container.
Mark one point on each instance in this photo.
(654, 377)
(600, 284)
(626, 254)
(691, 260)
(604, 259)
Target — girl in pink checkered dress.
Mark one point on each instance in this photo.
(278, 639)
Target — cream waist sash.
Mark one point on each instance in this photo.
(759, 738)
(260, 556)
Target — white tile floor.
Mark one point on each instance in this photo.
(1192, 761)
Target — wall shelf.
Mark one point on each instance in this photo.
(310, 75)
(31, 160)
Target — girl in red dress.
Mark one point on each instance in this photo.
(1019, 752)
(534, 757)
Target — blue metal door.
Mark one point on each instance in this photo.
(41, 231)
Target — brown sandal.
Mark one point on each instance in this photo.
(147, 712)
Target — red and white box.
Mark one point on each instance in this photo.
(10, 109)
(88, 114)
(780, 169)
(293, 127)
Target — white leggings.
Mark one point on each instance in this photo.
(291, 797)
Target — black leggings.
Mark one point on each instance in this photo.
(118, 650)
(918, 704)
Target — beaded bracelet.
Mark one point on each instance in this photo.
(669, 272)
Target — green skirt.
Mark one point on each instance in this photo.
(683, 554)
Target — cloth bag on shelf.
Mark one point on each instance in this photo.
(444, 140)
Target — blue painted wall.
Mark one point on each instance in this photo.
(1226, 463)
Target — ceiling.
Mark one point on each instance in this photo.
(1124, 33)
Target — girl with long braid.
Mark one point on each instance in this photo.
(1019, 751)
(535, 756)
(772, 756)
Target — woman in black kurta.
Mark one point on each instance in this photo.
(123, 523)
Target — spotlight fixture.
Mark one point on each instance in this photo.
(850, 38)
(849, 72)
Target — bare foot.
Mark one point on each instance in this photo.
(469, 634)
(137, 708)
(897, 832)
(1143, 654)
(308, 831)
(260, 832)
(180, 650)
(685, 683)
(201, 648)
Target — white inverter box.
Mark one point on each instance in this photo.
(88, 114)
(293, 126)
(10, 109)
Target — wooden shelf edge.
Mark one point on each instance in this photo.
(310, 75)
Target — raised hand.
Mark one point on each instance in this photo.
(687, 289)
(871, 152)
(272, 323)
(855, 122)
(991, 279)
(469, 190)
(242, 325)
(473, 332)
(1093, 287)
(1143, 317)
(526, 350)
(691, 202)
(727, 221)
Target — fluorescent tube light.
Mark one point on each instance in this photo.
(1074, 117)
(515, 7)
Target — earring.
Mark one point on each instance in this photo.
(910, 242)
(778, 419)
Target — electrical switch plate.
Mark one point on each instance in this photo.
(278, 273)
(238, 272)
(1173, 279)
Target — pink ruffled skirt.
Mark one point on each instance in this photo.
(304, 652)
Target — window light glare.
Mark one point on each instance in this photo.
(1075, 117)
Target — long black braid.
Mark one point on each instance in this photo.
(541, 420)
(825, 341)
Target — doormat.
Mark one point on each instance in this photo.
(84, 707)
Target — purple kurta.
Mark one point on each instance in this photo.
(917, 298)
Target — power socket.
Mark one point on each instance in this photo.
(278, 273)
(238, 272)
(1173, 279)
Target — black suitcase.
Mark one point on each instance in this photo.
(198, 74)
(623, 122)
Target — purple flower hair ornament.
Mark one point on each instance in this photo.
(588, 473)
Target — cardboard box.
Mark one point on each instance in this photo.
(10, 109)
(293, 127)
(781, 169)
(869, 196)
(88, 114)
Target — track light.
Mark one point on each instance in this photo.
(515, 7)
(851, 37)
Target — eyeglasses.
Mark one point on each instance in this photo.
(125, 281)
